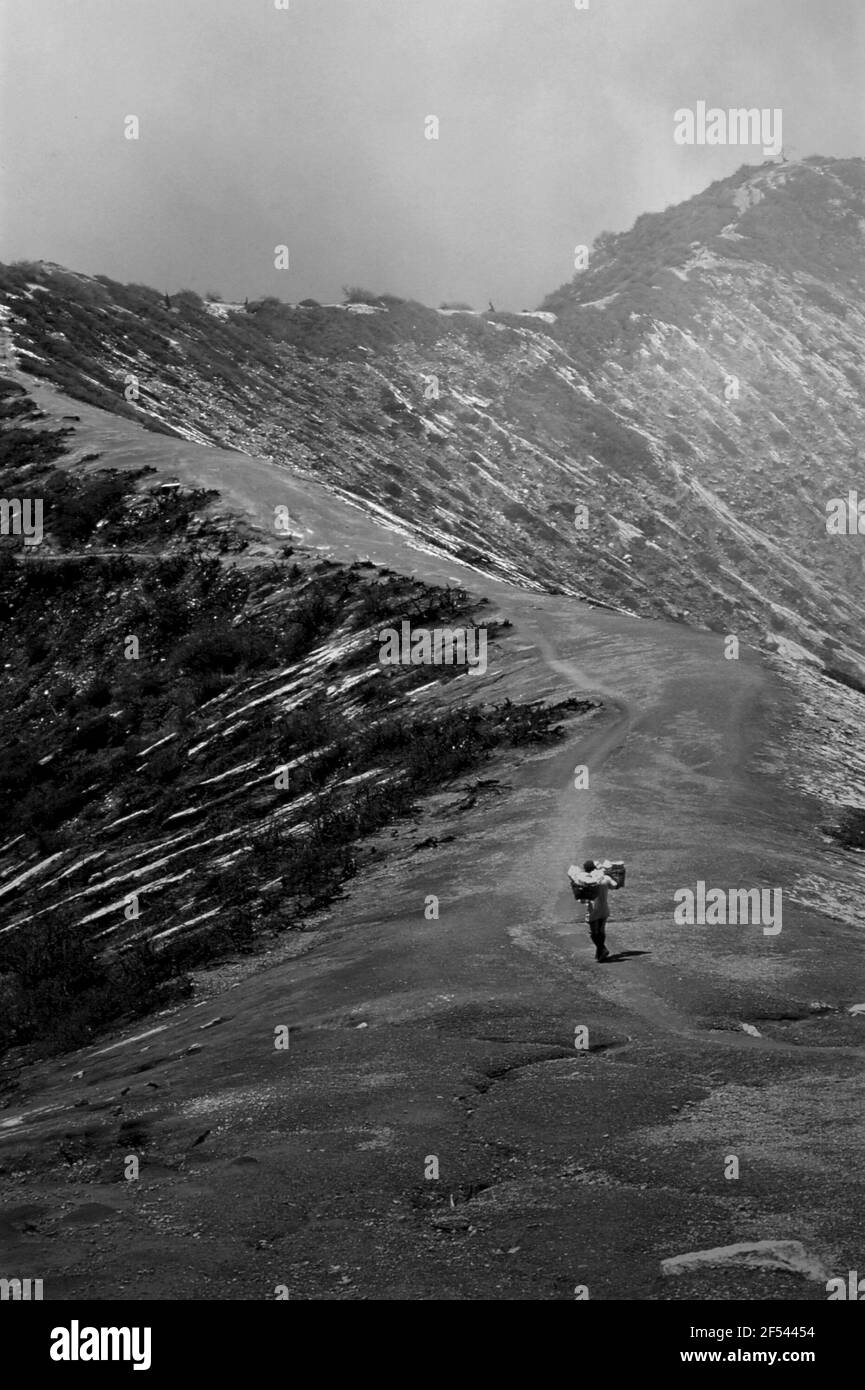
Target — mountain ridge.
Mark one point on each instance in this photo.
(704, 422)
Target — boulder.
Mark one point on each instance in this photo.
(789, 1256)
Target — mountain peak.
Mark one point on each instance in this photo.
(804, 215)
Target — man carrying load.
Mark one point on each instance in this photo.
(591, 886)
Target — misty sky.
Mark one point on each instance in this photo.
(305, 126)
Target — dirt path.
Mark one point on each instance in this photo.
(432, 1131)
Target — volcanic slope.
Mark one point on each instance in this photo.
(432, 1130)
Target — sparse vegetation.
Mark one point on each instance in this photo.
(849, 831)
(354, 294)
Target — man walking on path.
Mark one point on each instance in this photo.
(598, 910)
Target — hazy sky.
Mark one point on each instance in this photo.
(305, 127)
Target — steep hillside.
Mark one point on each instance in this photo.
(698, 389)
(198, 739)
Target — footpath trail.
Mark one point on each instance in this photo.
(432, 1130)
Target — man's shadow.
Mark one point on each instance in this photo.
(615, 956)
